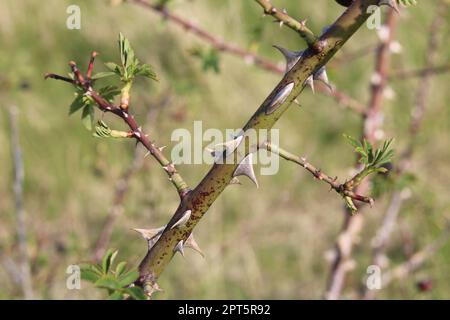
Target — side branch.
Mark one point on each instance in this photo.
(341, 189)
(299, 26)
(85, 83)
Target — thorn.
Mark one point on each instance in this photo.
(297, 102)
(279, 98)
(231, 145)
(284, 11)
(147, 154)
(151, 235)
(321, 75)
(245, 168)
(281, 24)
(162, 148)
(182, 221)
(191, 243)
(291, 56)
(310, 82)
(179, 248)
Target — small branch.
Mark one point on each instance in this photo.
(299, 26)
(219, 44)
(341, 189)
(122, 188)
(427, 71)
(136, 130)
(19, 175)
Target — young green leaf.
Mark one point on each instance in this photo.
(101, 75)
(121, 267)
(137, 293)
(87, 116)
(108, 259)
(146, 71)
(128, 278)
(108, 282)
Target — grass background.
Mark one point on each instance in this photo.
(270, 242)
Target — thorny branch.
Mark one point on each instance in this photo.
(194, 204)
(85, 83)
(340, 188)
(122, 188)
(248, 56)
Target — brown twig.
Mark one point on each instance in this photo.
(340, 188)
(351, 228)
(122, 188)
(428, 71)
(250, 57)
(19, 175)
(135, 130)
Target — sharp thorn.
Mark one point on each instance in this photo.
(245, 168)
(179, 248)
(182, 221)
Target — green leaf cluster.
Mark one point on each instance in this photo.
(129, 66)
(370, 158)
(116, 280)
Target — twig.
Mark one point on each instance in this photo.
(135, 130)
(219, 44)
(318, 174)
(122, 188)
(428, 71)
(299, 26)
(24, 264)
(351, 228)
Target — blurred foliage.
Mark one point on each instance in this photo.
(270, 242)
(117, 281)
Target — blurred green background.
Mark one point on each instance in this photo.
(266, 243)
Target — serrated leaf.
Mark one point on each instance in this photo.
(114, 67)
(146, 71)
(117, 295)
(128, 278)
(107, 258)
(77, 104)
(89, 275)
(87, 117)
(120, 269)
(101, 75)
(109, 93)
(137, 293)
(108, 283)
